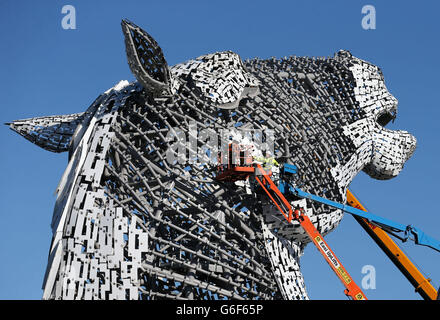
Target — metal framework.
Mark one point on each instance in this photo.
(130, 224)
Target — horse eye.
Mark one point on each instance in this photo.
(385, 118)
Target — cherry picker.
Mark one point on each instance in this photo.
(377, 227)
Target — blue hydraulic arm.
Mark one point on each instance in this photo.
(419, 236)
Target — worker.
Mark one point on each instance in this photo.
(269, 164)
(266, 162)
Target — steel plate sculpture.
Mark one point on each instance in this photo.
(139, 214)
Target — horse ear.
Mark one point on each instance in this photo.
(52, 133)
(146, 60)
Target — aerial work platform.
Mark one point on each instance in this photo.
(377, 227)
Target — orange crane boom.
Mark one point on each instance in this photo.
(421, 284)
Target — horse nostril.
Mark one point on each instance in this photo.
(385, 118)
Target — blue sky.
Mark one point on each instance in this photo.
(47, 70)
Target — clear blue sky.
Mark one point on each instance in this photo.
(47, 70)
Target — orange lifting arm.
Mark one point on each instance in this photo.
(397, 256)
(351, 288)
(288, 215)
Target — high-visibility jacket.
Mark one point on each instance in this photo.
(267, 162)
